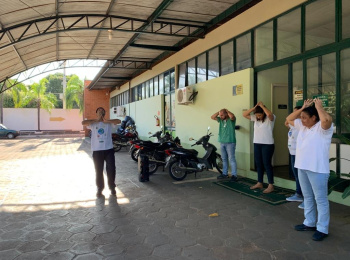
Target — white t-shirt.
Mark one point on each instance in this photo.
(313, 145)
(101, 136)
(292, 139)
(263, 131)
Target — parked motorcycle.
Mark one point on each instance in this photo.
(123, 140)
(135, 145)
(183, 161)
(155, 151)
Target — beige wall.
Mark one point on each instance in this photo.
(192, 120)
(143, 113)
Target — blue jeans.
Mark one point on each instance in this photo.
(316, 204)
(295, 173)
(263, 159)
(228, 153)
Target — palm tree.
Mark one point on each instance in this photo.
(44, 100)
(20, 95)
(75, 93)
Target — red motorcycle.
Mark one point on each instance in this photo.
(123, 139)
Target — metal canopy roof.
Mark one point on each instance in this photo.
(131, 35)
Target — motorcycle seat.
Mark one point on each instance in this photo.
(183, 150)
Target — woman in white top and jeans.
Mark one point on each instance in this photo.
(312, 160)
(264, 146)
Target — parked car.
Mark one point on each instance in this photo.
(5, 132)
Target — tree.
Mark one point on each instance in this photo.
(43, 100)
(20, 95)
(75, 93)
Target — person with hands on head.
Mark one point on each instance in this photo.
(102, 149)
(292, 144)
(227, 140)
(312, 160)
(264, 147)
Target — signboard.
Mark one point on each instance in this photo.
(298, 95)
(323, 98)
(237, 90)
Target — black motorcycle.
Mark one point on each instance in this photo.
(183, 161)
(135, 144)
(155, 151)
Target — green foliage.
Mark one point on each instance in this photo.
(7, 99)
(75, 93)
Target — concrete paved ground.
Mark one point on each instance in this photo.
(48, 210)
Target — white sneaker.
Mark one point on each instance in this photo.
(301, 206)
(295, 197)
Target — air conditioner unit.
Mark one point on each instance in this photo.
(184, 95)
(120, 111)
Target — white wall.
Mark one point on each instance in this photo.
(26, 119)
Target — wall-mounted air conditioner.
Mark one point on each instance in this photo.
(118, 111)
(185, 95)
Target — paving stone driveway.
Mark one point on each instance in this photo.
(48, 210)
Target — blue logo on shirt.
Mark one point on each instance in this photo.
(101, 131)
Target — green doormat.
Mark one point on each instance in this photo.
(278, 196)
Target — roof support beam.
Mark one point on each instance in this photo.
(81, 22)
(155, 47)
(151, 19)
(99, 32)
(117, 78)
(14, 48)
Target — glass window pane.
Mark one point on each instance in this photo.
(161, 84)
(213, 63)
(243, 52)
(139, 92)
(227, 58)
(182, 75)
(172, 80)
(264, 44)
(289, 34)
(155, 86)
(172, 97)
(346, 18)
(345, 91)
(151, 91)
(298, 84)
(144, 88)
(321, 81)
(202, 68)
(167, 108)
(191, 72)
(319, 23)
(166, 82)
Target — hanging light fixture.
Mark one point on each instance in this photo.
(110, 34)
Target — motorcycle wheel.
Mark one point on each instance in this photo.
(134, 154)
(175, 172)
(117, 147)
(152, 168)
(218, 163)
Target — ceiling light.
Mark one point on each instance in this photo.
(110, 34)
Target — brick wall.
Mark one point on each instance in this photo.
(92, 100)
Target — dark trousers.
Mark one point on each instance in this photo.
(99, 158)
(263, 157)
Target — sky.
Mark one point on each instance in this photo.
(87, 72)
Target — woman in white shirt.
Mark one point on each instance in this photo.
(264, 146)
(312, 160)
